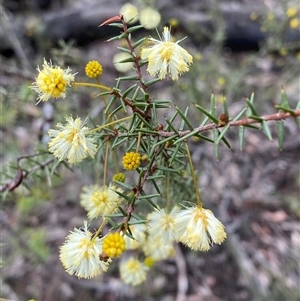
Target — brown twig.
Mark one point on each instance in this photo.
(129, 104)
(246, 121)
(22, 174)
(136, 58)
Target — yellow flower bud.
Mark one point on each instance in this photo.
(131, 161)
(113, 245)
(119, 177)
(93, 69)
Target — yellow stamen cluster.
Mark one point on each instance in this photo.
(113, 245)
(52, 81)
(294, 23)
(131, 161)
(173, 22)
(149, 262)
(291, 12)
(119, 177)
(166, 57)
(93, 69)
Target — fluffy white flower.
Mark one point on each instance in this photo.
(130, 12)
(157, 249)
(52, 81)
(132, 271)
(149, 17)
(166, 57)
(100, 201)
(198, 228)
(70, 141)
(162, 225)
(80, 254)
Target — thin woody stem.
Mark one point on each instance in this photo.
(130, 104)
(105, 163)
(168, 194)
(76, 84)
(199, 202)
(136, 57)
(246, 121)
(100, 87)
(109, 124)
(139, 140)
(100, 229)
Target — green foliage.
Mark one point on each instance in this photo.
(30, 203)
(36, 243)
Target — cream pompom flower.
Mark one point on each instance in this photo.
(166, 57)
(198, 228)
(132, 271)
(157, 249)
(149, 17)
(130, 12)
(70, 141)
(80, 254)
(162, 225)
(52, 81)
(100, 201)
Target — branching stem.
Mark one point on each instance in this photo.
(246, 121)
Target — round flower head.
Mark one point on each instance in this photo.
(100, 201)
(162, 225)
(291, 12)
(294, 23)
(166, 57)
(119, 177)
(131, 160)
(80, 254)
(157, 249)
(93, 69)
(149, 17)
(52, 81)
(199, 229)
(70, 141)
(149, 262)
(130, 12)
(132, 271)
(119, 61)
(139, 233)
(113, 245)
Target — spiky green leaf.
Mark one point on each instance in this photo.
(184, 117)
(209, 115)
(284, 101)
(241, 136)
(266, 130)
(280, 133)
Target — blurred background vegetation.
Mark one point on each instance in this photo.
(239, 47)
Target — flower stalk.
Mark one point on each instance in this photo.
(199, 202)
(84, 84)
